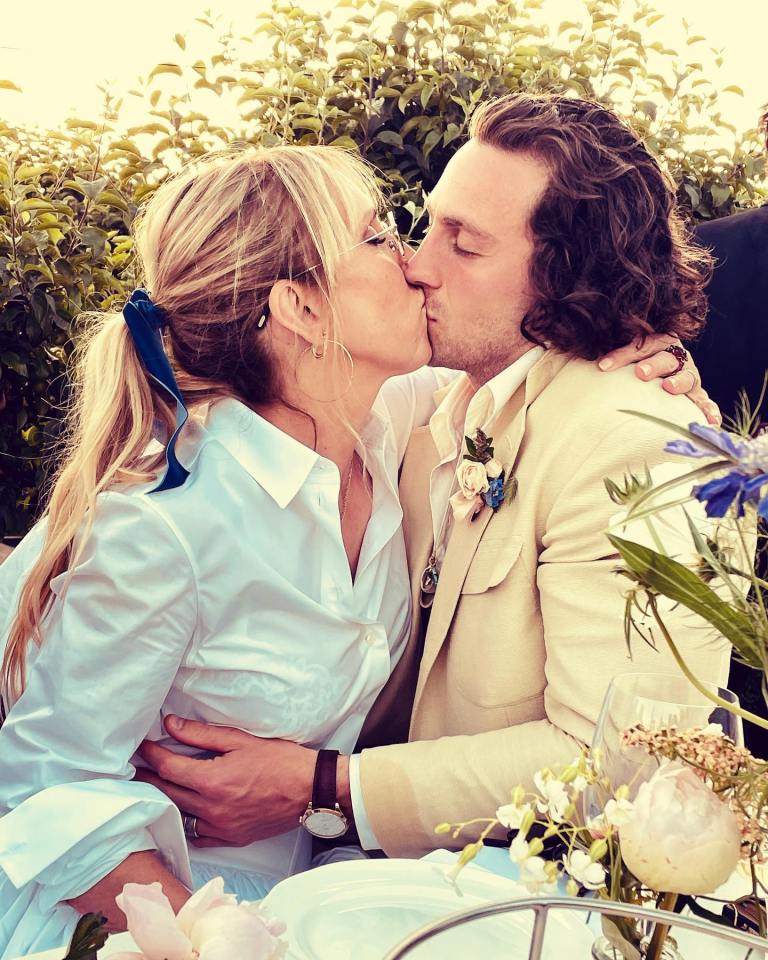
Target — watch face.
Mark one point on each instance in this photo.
(327, 824)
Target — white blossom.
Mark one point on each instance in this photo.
(618, 812)
(555, 800)
(538, 876)
(511, 814)
(589, 874)
(519, 849)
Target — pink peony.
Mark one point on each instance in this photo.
(211, 925)
(472, 477)
(680, 838)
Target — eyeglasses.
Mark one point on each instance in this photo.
(389, 232)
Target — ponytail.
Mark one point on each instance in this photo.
(106, 432)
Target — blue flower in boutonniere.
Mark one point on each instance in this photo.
(482, 479)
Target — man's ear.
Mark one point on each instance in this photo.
(298, 309)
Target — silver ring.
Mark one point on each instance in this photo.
(190, 826)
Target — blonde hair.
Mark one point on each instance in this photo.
(212, 241)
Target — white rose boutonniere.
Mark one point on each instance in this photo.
(482, 479)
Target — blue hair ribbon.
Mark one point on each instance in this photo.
(145, 320)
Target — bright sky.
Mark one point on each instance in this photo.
(58, 53)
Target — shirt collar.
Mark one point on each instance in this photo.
(275, 460)
(461, 410)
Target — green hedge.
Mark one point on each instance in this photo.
(397, 84)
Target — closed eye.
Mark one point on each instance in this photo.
(454, 243)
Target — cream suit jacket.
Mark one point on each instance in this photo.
(526, 629)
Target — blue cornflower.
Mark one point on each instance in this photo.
(731, 446)
(743, 484)
(494, 495)
(718, 495)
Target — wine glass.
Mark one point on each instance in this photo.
(655, 700)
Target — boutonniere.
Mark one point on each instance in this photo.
(482, 479)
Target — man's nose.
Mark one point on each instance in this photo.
(417, 269)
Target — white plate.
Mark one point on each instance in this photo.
(360, 909)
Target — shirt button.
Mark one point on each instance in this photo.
(370, 639)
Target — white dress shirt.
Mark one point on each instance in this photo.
(228, 600)
(461, 411)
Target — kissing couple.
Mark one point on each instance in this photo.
(323, 563)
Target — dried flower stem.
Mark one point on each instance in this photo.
(667, 901)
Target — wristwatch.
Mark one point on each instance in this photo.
(323, 817)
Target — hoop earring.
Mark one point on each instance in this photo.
(321, 353)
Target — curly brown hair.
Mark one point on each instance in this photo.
(612, 259)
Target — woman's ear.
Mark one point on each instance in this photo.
(298, 309)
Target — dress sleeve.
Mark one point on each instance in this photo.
(118, 628)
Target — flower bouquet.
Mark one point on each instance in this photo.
(211, 925)
(704, 811)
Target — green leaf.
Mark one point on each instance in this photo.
(90, 936)
(162, 68)
(92, 188)
(14, 362)
(452, 131)
(431, 141)
(30, 171)
(733, 89)
(36, 203)
(74, 124)
(110, 199)
(389, 136)
(409, 93)
(347, 142)
(180, 41)
(720, 194)
(10, 85)
(96, 239)
(422, 8)
(681, 585)
(127, 145)
(308, 123)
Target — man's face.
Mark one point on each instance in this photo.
(473, 263)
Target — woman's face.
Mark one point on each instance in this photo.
(383, 319)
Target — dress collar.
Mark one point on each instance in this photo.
(275, 460)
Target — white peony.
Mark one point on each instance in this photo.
(681, 837)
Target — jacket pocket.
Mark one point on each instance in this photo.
(493, 560)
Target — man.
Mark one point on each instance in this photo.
(553, 226)
(732, 353)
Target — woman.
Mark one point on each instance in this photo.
(250, 571)
(268, 588)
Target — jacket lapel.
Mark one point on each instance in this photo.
(508, 432)
(389, 717)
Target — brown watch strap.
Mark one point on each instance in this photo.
(324, 786)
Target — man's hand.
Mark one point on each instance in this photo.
(654, 362)
(255, 789)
